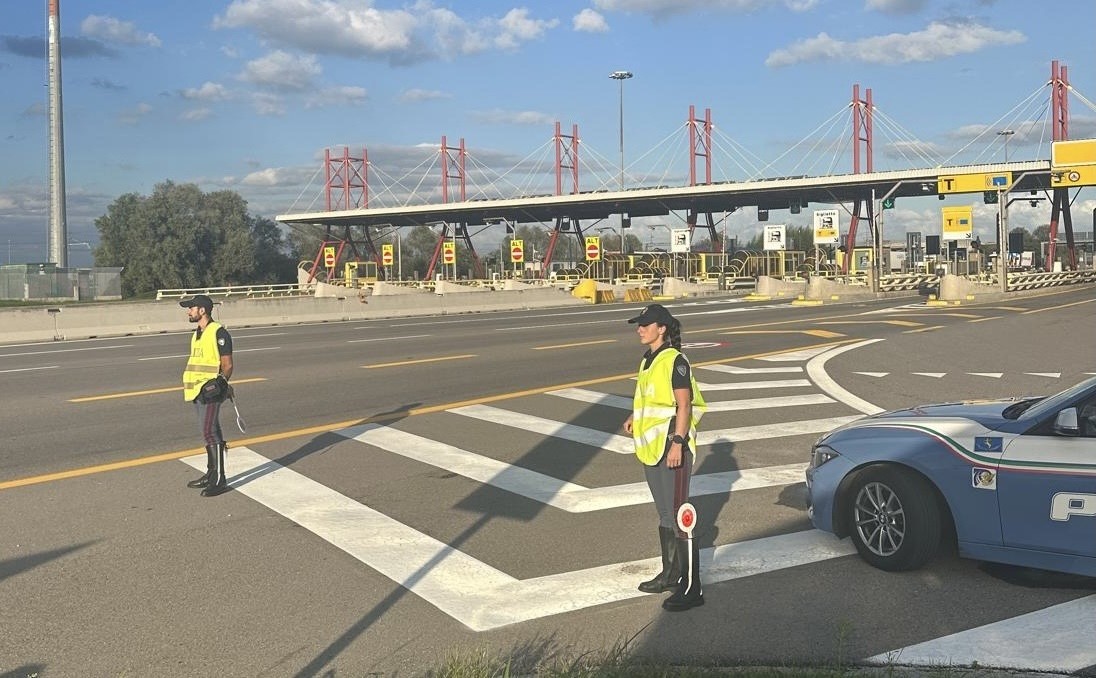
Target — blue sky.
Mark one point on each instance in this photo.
(246, 95)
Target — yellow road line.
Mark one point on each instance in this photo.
(326, 428)
(420, 361)
(900, 323)
(580, 343)
(979, 320)
(131, 394)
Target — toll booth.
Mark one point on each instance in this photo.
(861, 261)
(357, 273)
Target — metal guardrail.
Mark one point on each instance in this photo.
(1031, 281)
(282, 290)
(907, 282)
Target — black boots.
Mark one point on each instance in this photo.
(688, 594)
(670, 575)
(211, 451)
(216, 483)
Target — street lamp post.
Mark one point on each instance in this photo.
(1006, 133)
(621, 76)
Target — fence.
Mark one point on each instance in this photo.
(46, 282)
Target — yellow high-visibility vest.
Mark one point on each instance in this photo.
(653, 406)
(204, 362)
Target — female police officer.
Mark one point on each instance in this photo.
(665, 411)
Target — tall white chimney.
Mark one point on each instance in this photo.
(58, 228)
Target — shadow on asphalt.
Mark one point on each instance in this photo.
(13, 566)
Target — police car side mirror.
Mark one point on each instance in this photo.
(1065, 424)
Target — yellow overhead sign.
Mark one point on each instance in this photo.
(957, 222)
(1073, 153)
(974, 183)
(1079, 175)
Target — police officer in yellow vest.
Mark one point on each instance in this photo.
(210, 361)
(665, 412)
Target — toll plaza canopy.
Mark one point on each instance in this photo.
(780, 193)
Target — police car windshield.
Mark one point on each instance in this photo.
(1052, 404)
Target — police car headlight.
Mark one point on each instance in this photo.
(820, 454)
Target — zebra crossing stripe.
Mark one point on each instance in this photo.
(778, 430)
(439, 573)
(746, 385)
(620, 402)
(1056, 638)
(577, 434)
(560, 494)
(735, 369)
(623, 445)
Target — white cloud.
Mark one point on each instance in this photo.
(498, 116)
(419, 32)
(517, 28)
(282, 71)
(589, 21)
(265, 103)
(667, 7)
(109, 29)
(195, 114)
(938, 41)
(209, 91)
(277, 176)
(134, 115)
(416, 95)
(334, 96)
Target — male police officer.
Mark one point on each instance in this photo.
(210, 360)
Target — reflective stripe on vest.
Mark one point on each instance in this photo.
(653, 406)
(204, 363)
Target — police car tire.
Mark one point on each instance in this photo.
(919, 509)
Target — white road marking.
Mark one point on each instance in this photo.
(527, 422)
(735, 369)
(30, 369)
(816, 369)
(778, 430)
(439, 573)
(1054, 375)
(796, 356)
(934, 375)
(991, 375)
(744, 385)
(623, 444)
(873, 374)
(63, 350)
(560, 494)
(410, 336)
(1057, 638)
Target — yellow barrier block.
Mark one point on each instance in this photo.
(586, 289)
(605, 297)
(638, 294)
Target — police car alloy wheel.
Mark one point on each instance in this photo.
(895, 518)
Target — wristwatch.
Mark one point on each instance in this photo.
(675, 438)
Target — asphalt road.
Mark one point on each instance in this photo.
(408, 489)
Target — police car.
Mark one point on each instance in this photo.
(1013, 481)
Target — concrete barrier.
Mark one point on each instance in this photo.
(85, 321)
(676, 287)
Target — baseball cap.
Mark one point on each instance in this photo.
(199, 300)
(655, 313)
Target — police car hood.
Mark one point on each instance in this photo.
(987, 413)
